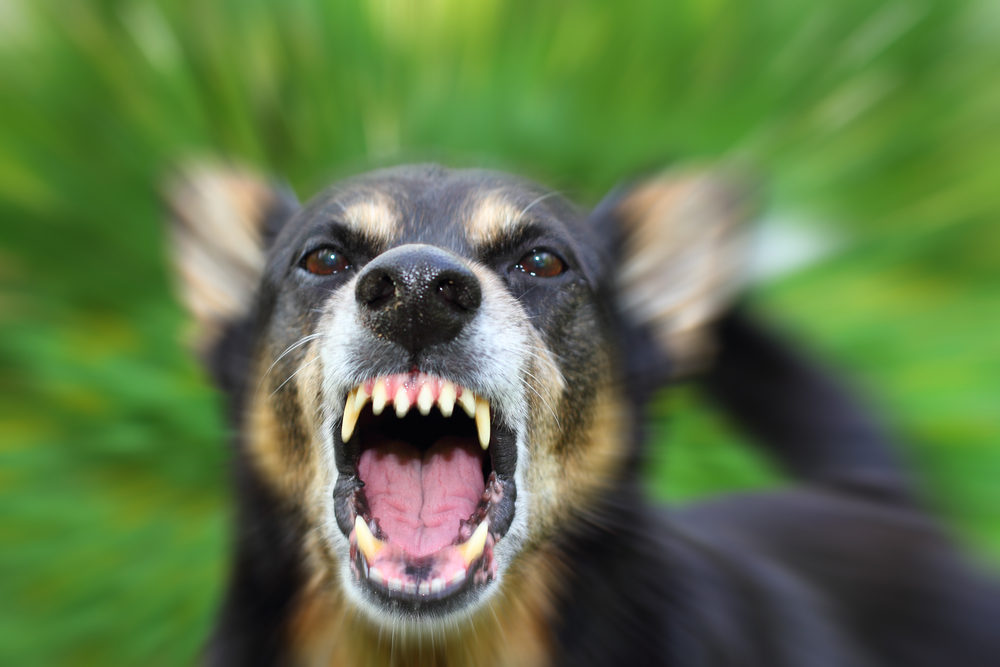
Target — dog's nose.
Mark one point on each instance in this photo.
(417, 295)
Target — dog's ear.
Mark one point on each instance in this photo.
(222, 221)
(680, 248)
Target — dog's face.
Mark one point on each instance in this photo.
(413, 396)
(436, 381)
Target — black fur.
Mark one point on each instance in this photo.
(844, 570)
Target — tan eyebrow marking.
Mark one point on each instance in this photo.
(496, 215)
(374, 214)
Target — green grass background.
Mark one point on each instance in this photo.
(876, 122)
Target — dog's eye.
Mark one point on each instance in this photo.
(541, 264)
(325, 261)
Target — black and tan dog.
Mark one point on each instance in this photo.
(438, 380)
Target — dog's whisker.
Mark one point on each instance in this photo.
(538, 200)
(541, 398)
(297, 371)
(294, 346)
(297, 344)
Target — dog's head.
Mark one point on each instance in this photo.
(439, 368)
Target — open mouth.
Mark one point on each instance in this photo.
(426, 487)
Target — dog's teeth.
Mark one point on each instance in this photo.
(361, 398)
(380, 397)
(402, 402)
(375, 575)
(483, 422)
(395, 584)
(424, 588)
(351, 412)
(410, 587)
(457, 578)
(473, 547)
(468, 402)
(437, 585)
(368, 543)
(425, 399)
(446, 399)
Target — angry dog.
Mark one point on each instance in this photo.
(438, 379)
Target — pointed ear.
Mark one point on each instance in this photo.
(222, 221)
(681, 248)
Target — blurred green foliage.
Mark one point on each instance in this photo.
(877, 120)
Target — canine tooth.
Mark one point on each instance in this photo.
(437, 585)
(360, 398)
(425, 400)
(473, 547)
(379, 397)
(395, 584)
(424, 588)
(368, 543)
(351, 412)
(446, 399)
(468, 402)
(401, 402)
(375, 575)
(483, 422)
(457, 578)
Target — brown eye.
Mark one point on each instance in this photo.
(541, 264)
(325, 261)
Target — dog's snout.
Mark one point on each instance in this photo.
(417, 296)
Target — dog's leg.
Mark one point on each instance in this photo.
(797, 411)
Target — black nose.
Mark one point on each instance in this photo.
(417, 295)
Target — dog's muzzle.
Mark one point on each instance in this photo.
(426, 460)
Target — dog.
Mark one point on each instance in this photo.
(437, 380)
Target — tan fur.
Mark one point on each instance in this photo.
(685, 244)
(266, 446)
(492, 216)
(217, 245)
(575, 458)
(373, 215)
(287, 454)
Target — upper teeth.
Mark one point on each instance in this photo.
(448, 394)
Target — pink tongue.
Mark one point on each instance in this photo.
(420, 499)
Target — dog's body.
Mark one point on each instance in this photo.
(519, 535)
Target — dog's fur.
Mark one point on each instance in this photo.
(578, 568)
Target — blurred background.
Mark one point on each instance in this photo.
(876, 125)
